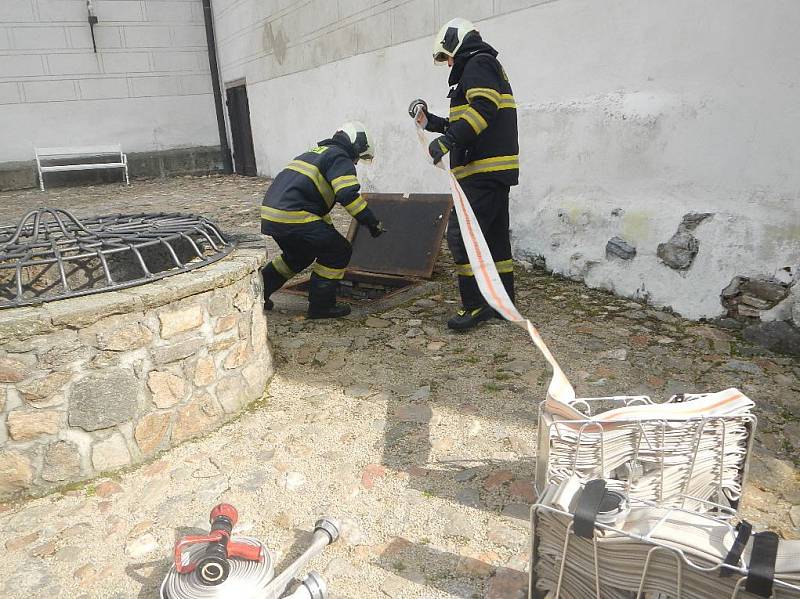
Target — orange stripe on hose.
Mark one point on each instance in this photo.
(476, 248)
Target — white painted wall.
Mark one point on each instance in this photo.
(148, 87)
(647, 108)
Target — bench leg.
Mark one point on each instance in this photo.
(127, 179)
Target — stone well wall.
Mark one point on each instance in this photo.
(93, 384)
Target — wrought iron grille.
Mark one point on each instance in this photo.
(52, 255)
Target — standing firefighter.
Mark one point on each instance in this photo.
(295, 212)
(481, 137)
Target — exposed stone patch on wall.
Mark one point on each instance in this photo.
(679, 252)
(97, 383)
(619, 248)
(748, 297)
(765, 308)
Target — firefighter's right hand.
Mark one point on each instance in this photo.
(376, 229)
(416, 106)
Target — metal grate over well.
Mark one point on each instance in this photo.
(52, 255)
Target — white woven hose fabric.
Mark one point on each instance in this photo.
(699, 451)
(686, 561)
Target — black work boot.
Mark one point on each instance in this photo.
(273, 280)
(338, 310)
(322, 299)
(467, 319)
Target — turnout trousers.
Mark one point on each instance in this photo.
(301, 245)
(489, 201)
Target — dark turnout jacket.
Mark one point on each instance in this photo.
(482, 125)
(306, 190)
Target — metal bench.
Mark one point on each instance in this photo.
(63, 155)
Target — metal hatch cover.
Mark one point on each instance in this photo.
(415, 226)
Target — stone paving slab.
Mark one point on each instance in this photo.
(422, 440)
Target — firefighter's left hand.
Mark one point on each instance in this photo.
(377, 229)
(438, 148)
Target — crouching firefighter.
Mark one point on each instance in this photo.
(481, 137)
(295, 213)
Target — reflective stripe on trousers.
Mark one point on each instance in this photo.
(503, 266)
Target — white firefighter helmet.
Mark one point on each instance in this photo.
(450, 38)
(356, 131)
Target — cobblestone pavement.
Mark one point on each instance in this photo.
(421, 440)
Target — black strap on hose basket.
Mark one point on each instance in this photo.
(587, 508)
(761, 572)
(743, 531)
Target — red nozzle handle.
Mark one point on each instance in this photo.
(251, 553)
(224, 510)
(186, 542)
(220, 531)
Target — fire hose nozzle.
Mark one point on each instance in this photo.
(316, 585)
(224, 510)
(330, 526)
(312, 587)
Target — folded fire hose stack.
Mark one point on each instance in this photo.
(681, 453)
(220, 565)
(591, 541)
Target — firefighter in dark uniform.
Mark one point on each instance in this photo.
(295, 213)
(481, 137)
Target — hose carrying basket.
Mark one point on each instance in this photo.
(583, 545)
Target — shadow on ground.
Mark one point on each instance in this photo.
(458, 575)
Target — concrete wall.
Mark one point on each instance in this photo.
(148, 86)
(633, 114)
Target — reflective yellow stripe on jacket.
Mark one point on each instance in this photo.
(291, 217)
(344, 181)
(469, 114)
(485, 92)
(475, 120)
(312, 172)
(487, 165)
(501, 101)
(356, 206)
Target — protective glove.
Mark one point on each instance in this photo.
(376, 229)
(416, 106)
(439, 147)
(419, 112)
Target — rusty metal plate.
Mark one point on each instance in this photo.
(415, 226)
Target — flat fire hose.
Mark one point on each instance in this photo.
(488, 279)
